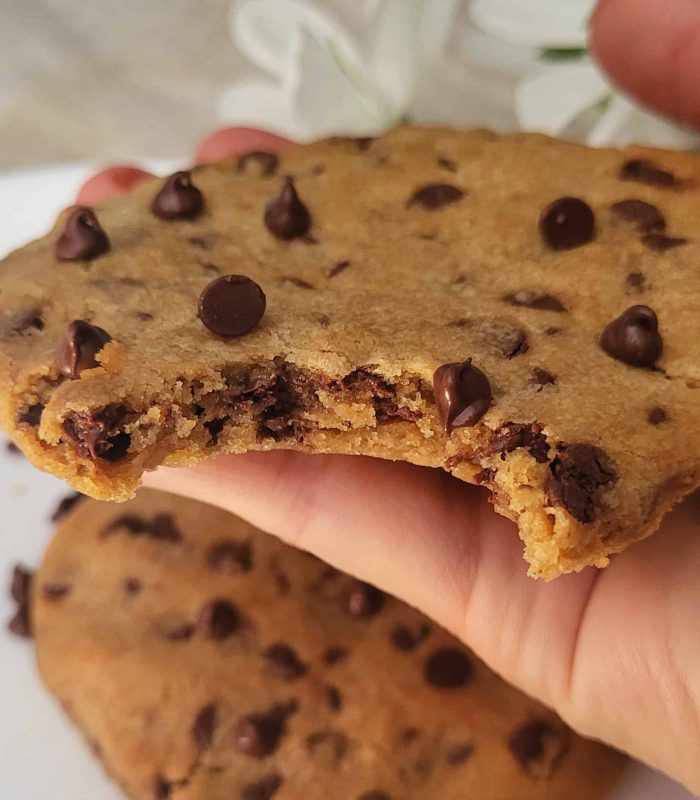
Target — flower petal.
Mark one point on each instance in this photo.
(550, 100)
(260, 104)
(328, 99)
(539, 23)
(625, 122)
(406, 38)
(267, 32)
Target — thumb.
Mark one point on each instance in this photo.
(651, 48)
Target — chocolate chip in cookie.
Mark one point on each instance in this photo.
(448, 668)
(218, 620)
(641, 215)
(579, 475)
(79, 348)
(567, 223)
(462, 393)
(231, 305)
(643, 170)
(286, 216)
(433, 196)
(178, 198)
(634, 337)
(83, 238)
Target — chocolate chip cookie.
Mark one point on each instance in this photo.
(205, 660)
(517, 310)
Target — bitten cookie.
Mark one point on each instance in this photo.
(520, 311)
(205, 660)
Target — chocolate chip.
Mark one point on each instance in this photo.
(218, 620)
(634, 337)
(286, 217)
(537, 746)
(578, 474)
(635, 282)
(552, 331)
(327, 748)
(283, 662)
(541, 377)
(567, 223)
(204, 726)
(448, 668)
(264, 789)
(485, 475)
(21, 623)
(232, 305)
(447, 163)
(341, 266)
(530, 298)
(333, 655)
(230, 557)
(20, 323)
(258, 163)
(132, 586)
(364, 600)
(65, 505)
(31, 415)
(83, 237)
(660, 243)
(21, 584)
(459, 753)
(642, 215)
(79, 347)
(375, 795)
(214, 428)
(179, 633)
(363, 143)
(514, 435)
(462, 394)
(515, 344)
(55, 591)
(657, 415)
(178, 198)
(333, 697)
(161, 528)
(300, 283)
(162, 788)
(435, 195)
(405, 638)
(259, 735)
(98, 434)
(644, 171)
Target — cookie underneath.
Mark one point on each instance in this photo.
(205, 660)
(516, 310)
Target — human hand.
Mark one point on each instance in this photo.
(615, 652)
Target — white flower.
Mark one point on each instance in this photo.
(563, 91)
(322, 79)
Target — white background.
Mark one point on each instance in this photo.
(42, 757)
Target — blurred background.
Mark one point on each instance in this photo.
(116, 80)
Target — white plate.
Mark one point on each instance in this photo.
(41, 754)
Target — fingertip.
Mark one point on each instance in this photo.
(110, 182)
(652, 50)
(233, 141)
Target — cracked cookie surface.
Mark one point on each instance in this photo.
(371, 284)
(205, 660)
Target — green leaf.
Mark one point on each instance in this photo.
(562, 53)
